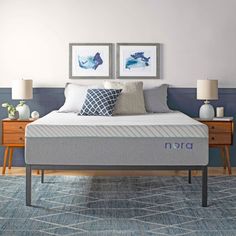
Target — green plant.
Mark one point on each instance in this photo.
(10, 108)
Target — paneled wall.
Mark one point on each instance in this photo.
(183, 99)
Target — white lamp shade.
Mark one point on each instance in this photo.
(22, 89)
(207, 89)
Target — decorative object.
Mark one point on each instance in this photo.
(75, 95)
(138, 60)
(156, 99)
(89, 60)
(220, 112)
(13, 114)
(207, 90)
(100, 102)
(22, 90)
(34, 115)
(131, 100)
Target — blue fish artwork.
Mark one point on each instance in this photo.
(90, 62)
(137, 60)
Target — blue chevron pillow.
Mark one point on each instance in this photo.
(100, 102)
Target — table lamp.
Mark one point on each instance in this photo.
(22, 90)
(207, 90)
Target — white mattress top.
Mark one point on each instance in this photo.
(172, 118)
(173, 124)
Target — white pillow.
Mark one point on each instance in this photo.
(75, 95)
(131, 100)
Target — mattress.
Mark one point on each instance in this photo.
(150, 139)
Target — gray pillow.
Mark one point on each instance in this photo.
(131, 100)
(156, 99)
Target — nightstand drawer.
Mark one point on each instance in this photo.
(220, 138)
(16, 138)
(219, 126)
(14, 127)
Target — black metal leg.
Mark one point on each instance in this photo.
(189, 176)
(204, 186)
(42, 176)
(28, 185)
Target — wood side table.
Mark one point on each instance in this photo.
(221, 136)
(13, 136)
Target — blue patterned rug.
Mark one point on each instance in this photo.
(119, 206)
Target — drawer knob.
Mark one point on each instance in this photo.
(212, 127)
(212, 138)
(21, 138)
(20, 127)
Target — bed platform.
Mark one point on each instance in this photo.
(168, 141)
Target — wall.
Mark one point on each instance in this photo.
(197, 36)
(197, 41)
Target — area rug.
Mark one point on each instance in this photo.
(119, 206)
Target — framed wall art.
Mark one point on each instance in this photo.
(138, 60)
(89, 60)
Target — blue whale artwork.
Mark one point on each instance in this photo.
(137, 60)
(90, 62)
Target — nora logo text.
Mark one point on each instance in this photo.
(179, 146)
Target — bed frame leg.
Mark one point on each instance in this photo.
(42, 176)
(204, 186)
(28, 185)
(189, 176)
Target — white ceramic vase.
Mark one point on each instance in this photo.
(207, 111)
(24, 111)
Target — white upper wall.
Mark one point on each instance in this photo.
(198, 37)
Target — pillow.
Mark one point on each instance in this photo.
(75, 95)
(156, 99)
(131, 100)
(100, 102)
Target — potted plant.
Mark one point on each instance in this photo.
(13, 114)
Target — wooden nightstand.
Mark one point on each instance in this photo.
(221, 136)
(13, 136)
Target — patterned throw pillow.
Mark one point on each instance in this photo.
(100, 102)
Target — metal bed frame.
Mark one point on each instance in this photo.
(29, 169)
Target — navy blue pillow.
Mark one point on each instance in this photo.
(100, 102)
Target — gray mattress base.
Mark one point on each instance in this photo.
(104, 152)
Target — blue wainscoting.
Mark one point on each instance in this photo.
(183, 99)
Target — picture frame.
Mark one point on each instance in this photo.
(90, 60)
(138, 60)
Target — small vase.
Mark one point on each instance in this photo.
(23, 111)
(13, 117)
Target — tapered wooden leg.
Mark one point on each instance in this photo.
(227, 155)
(10, 157)
(5, 161)
(222, 154)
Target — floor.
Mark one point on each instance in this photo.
(117, 206)
(212, 171)
(118, 203)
